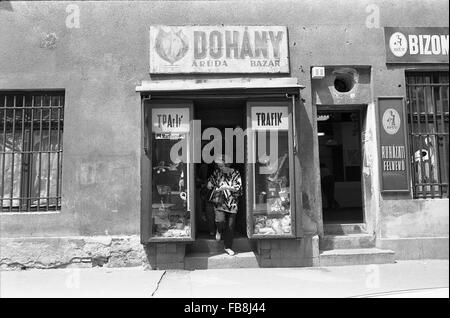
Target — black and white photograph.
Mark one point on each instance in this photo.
(224, 155)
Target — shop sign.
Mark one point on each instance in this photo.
(170, 122)
(270, 118)
(393, 145)
(416, 45)
(218, 49)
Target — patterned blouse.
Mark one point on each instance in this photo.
(231, 179)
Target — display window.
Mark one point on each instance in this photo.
(270, 197)
(268, 188)
(171, 173)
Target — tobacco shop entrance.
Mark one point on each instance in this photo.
(219, 116)
(184, 125)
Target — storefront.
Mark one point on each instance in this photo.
(112, 113)
(168, 121)
(198, 120)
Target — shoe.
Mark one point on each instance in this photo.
(218, 236)
(229, 251)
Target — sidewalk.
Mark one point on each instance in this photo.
(428, 278)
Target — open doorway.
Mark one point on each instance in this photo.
(219, 114)
(339, 134)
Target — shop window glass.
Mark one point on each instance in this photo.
(170, 175)
(271, 197)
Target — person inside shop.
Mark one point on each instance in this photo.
(205, 206)
(327, 182)
(226, 185)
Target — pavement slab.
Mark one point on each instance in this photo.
(127, 282)
(309, 282)
(425, 278)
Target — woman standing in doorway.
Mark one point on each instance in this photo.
(226, 186)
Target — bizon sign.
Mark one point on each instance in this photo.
(218, 49)
(416, 45)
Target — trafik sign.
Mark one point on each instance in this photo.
(416, 45)
(218, 49)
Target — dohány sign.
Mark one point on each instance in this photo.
(416, 45)
(218, 49)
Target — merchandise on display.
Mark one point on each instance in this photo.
(267, 225)
(171, 225)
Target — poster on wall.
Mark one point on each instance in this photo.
(416, 45)
(393, 147)
(218, 49)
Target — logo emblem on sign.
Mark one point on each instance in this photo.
(398, 44)
(171, 46)
(391, 121)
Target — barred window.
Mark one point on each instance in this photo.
(31, 131)
(428, 111)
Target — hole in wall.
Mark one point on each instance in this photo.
(344, 82)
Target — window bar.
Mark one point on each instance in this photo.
(58, 150)
(423, 132)
(422, 174)
(13, 153)
(419, 187)
(436, 141)
(21, 154)
(428, 138)
(414, 98)
(31, 155)
(40, 153)
(49, 152)
(445, 137)
(4, 150)
(412, 137)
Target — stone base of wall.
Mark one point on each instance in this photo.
(166, 255)
(62, 252)
(127, 251)
(416, 247)
(302, 252)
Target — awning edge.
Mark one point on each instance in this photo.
(214, 84)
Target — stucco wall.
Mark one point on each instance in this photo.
(414, 218)
(100, 64)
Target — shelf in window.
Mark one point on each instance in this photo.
(271, 214)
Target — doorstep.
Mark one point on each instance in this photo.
(356, 256)
(195, 261)
(344, 228)
(345, 241)
(211, 246)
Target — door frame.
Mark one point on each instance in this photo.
(362, 110)
(244, 124)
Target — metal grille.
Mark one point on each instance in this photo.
(428, 112)
(31, 131)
